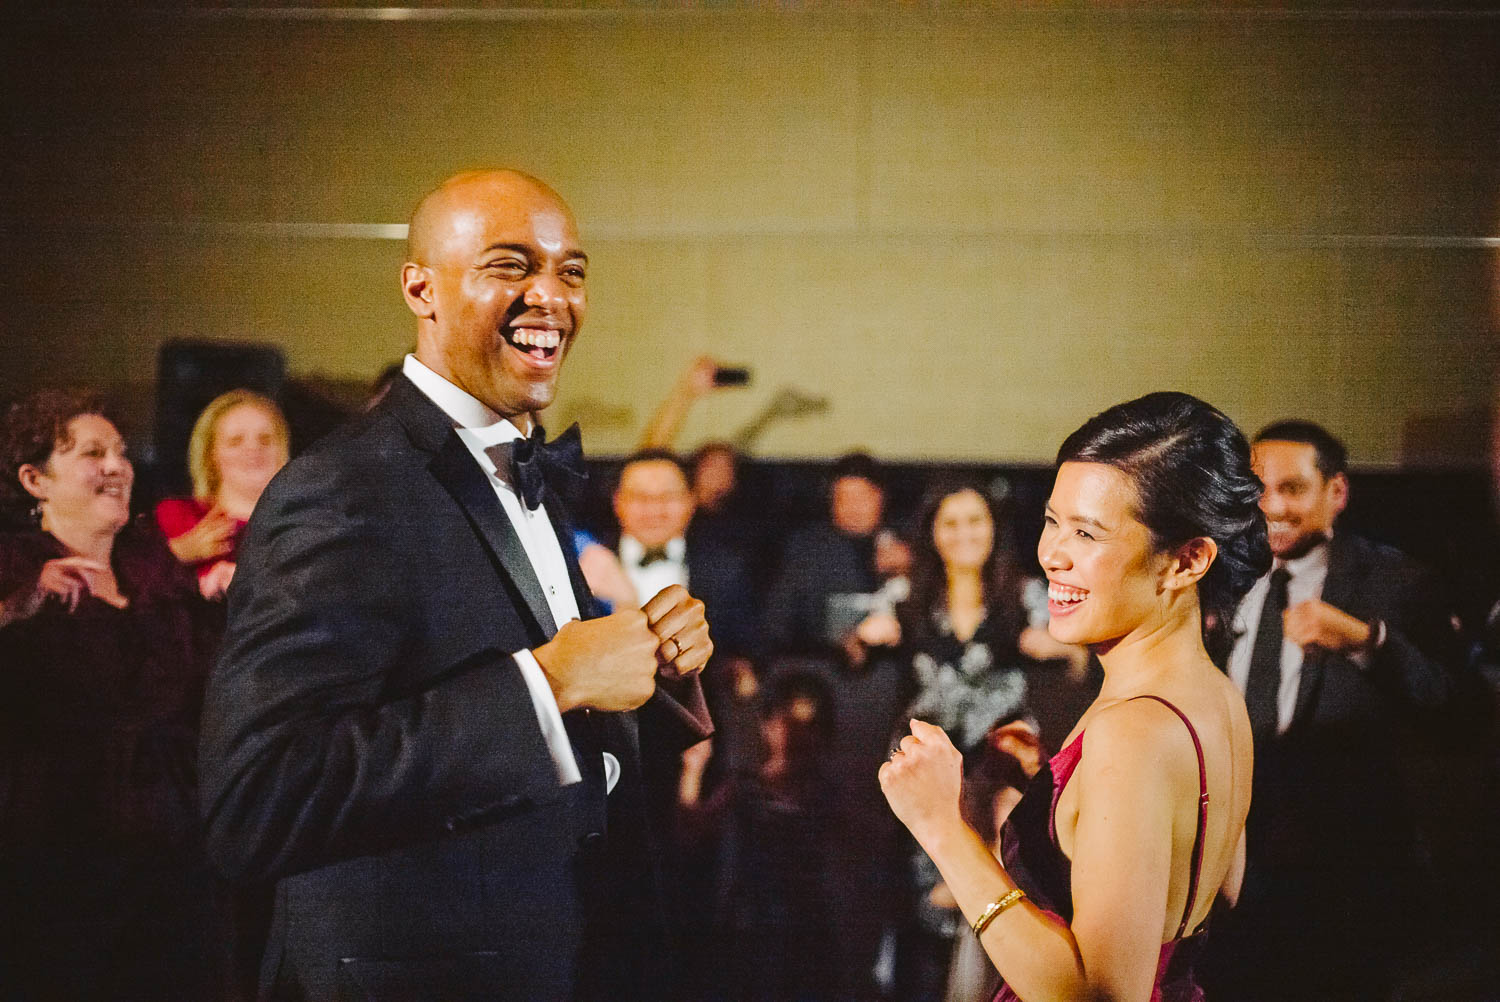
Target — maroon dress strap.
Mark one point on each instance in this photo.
(1192, 893)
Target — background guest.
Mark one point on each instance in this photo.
(104, 892)
(777, 938)
(960, 631)
(833, 574)
(1346, 653)
(995, 775)
(654, 506)
(238, 443)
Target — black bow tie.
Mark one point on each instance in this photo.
(526, 463)
(654, 555)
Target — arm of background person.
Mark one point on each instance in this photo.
(695, 382)
(308, 754)
(1421, 662)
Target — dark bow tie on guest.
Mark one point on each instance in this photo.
(654, 555)
(528, 463)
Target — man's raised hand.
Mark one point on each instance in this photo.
(676, 619)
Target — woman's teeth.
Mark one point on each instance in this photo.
(1064, 595)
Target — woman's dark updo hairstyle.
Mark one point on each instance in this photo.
(33, 428)
(1190, 467)
(929, 578)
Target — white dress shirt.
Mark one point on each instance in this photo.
(650, 580)
(478, 428)
(1307, 574)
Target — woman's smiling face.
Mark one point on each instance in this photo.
(86, 481)
(1103, 572)
(963, 531)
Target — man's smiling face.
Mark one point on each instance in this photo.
(497, 276)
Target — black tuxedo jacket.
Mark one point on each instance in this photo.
(1327, 791)
(370, 744)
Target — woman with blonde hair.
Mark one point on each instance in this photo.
(238, 443)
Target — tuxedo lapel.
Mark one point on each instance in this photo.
(455, 468)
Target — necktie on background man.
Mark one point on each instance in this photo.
(1263, 687)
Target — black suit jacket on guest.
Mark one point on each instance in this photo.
(717, 575)
(369, 742)
(1333, 864)
(816, 562)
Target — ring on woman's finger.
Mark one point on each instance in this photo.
(676, 649)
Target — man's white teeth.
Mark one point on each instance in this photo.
(536, 338)
(1063, 593)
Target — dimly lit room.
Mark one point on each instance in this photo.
(1020, 521)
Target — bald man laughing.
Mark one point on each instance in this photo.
(419, 727)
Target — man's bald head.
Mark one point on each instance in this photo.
(431, 220)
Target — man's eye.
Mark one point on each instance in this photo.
(1083, 535)
(508, 267)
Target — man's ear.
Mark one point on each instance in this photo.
(31, 479)
(1339, 492)
(416, 288)
(1190, 561)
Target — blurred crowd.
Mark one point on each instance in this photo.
(789, 878)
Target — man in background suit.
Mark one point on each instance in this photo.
(415, 727)
(653, 503)
(1345, 653)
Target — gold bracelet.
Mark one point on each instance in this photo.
(996, 907)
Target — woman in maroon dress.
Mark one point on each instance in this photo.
(104, 892)
(1118, 847)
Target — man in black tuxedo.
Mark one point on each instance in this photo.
(1345, 653)
(416, 727)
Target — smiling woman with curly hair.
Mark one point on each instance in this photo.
(103, 889)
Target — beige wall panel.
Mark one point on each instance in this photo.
(1083, 124)
(644, 126)
(648, 318)
(104, 305)
(967, 233)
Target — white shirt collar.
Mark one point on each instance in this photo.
(631, 550)
(1315, 559)
(465, 411)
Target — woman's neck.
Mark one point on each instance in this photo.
(965, 589)
(92, 542)
(238, 501)
(1140, 660)
(965, 601)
